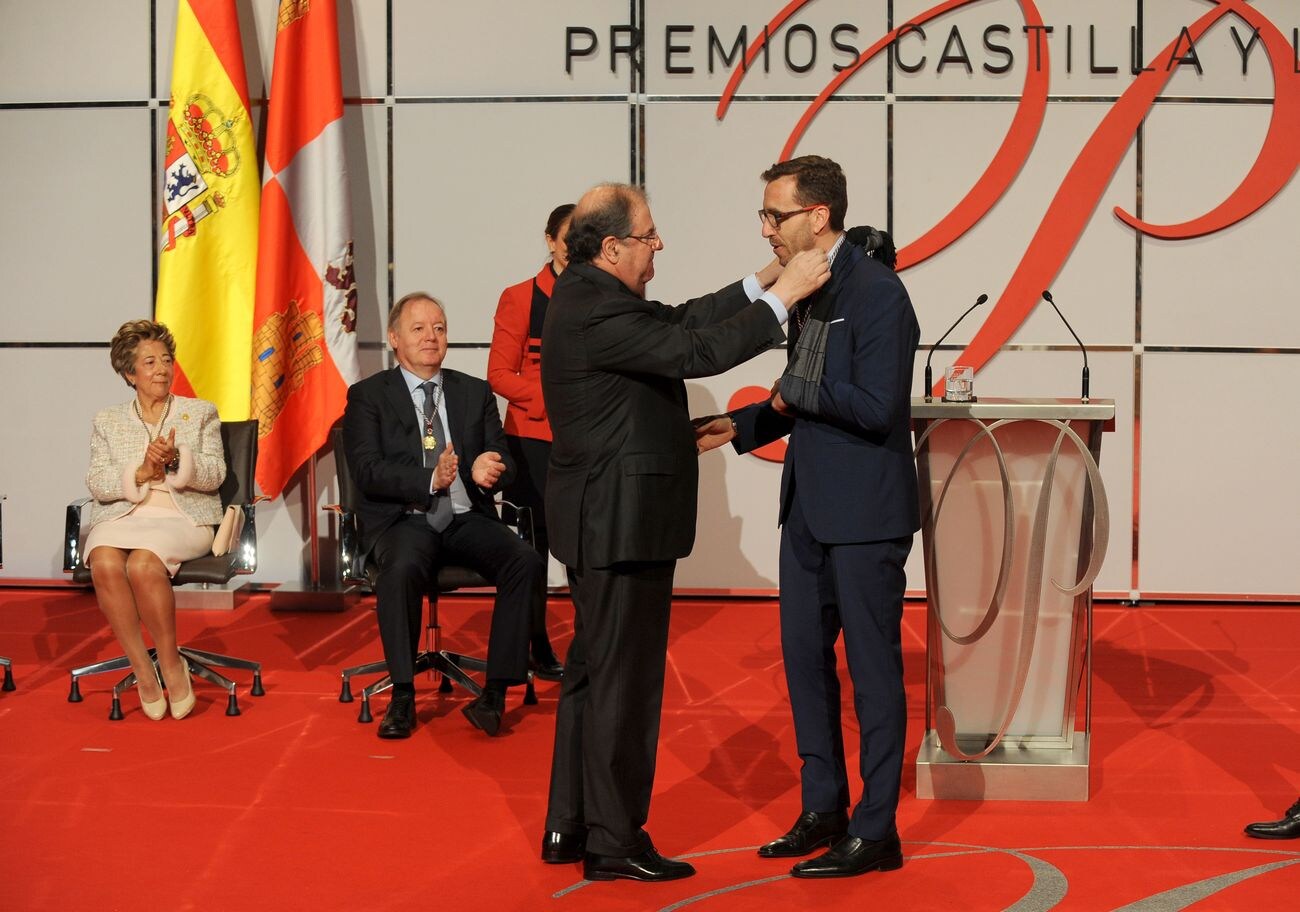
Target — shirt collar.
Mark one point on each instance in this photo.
(839, 242)
(413, 382)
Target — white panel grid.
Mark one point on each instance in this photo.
(807, 41)
(70, 50)
(75, 227)
(940, 150)
(474, 184)
(705, 194)
(908, 162)
(1220, 494)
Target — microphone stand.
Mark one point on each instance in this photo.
(1047, 296)
(929, 379)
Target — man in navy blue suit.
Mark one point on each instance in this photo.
(848, 511)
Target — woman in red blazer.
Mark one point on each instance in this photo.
(514, 372)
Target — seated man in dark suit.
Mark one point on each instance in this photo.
(426, 449)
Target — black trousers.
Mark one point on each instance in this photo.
(607, 723)
(857, 589)
(408, 555)
(528, 489)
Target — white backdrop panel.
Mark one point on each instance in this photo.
(1225, 288)
(366, 137)
(939, 152)
(805, 40)
(503, 48)
(61, 50)
(75, 227)
(1220, 494)
(475, 185)
(1220, 56)
(43, 468)
(705, 193)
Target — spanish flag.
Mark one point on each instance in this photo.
(208, 259)
(304, 353)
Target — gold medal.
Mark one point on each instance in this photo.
(429, 442)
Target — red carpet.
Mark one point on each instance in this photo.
(293, 805)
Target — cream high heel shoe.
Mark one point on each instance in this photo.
(155, 709)
(181, 708)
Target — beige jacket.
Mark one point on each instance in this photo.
(117, 445)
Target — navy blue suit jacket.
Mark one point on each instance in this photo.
(852, 463)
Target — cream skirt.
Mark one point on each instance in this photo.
(154, 525)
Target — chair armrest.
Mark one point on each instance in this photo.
(245, 555)
(72, 556)
(352, 563)
(522, 519)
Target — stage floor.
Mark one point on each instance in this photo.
(294, 805)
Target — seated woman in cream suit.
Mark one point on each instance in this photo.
(156, 462)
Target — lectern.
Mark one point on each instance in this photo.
(1014, 530)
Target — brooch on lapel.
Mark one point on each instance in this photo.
(185, 416)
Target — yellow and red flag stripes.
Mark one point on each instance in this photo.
(208, 259)
(304, 328)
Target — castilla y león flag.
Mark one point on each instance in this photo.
(210, 199)
(304, 324)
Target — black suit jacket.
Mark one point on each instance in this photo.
(852, 463)
(382, 437)
(623, 471)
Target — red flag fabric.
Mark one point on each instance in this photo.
(304, 322)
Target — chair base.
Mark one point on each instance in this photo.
(452, 666)
(199, 663)
(210, 597)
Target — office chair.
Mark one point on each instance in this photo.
(239, 439)
(356, 569)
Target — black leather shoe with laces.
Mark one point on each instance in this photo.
(1286, 828)
(812, 830)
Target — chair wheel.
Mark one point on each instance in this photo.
(364, 716)
(9, 679)
(232, 705)
(345, 695)
(444, 686)
(530, 693)
(115, 714)
(74, 695)
(257, 690)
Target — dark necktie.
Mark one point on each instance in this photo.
(440, 511)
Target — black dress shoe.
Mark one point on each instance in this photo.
(563, 848)
(812, 830)
(545, 664)
(648, 866)
(484, 712)
(852, 856)
(1286, 828)
(399, 718)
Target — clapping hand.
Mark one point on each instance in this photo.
(157, 457)
(444, 473)
(488, 469)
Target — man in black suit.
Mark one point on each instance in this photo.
(848, 510)
(621, 504)
(425, 446)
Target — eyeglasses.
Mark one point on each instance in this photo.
(774, 219)
(650, 240)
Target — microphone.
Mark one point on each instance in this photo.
(929, 380)
(1047, 296)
